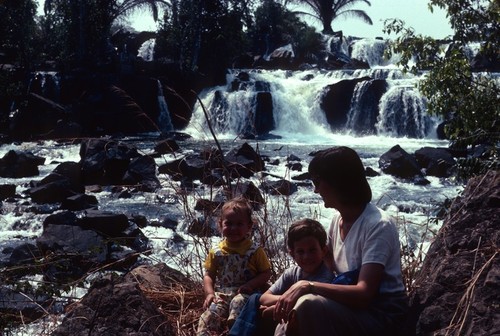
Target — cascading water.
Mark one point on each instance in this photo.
(46, 84)
(361, 114)
(297, 98)
(164, 119)
(403, 114)
(288, 104)
(370, 51)
(146, 50)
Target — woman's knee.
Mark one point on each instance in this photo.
(307, 303)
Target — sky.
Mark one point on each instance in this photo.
(415, 13)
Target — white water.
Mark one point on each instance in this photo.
(301, 125)
(164, 120)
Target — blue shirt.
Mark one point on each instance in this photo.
(293, 274)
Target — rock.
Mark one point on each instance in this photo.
(336, 103)
(107, 223)
(38, 118)
(436, 161)
(18, 164)
(166, 146)
(243, 161)
(109, 109)
(264, 118)
(7, 191)
(280, 187)
(141, 172)
(399, 163)
(108, 162)
(114, 307)
(64, 181)
(25, 307)
(457, 291)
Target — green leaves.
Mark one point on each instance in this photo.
(468, 100)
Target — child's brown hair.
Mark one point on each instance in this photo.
(306, 228)
(237, 204)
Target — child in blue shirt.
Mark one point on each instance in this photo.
(306, 241)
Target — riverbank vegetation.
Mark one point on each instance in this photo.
(468, 100)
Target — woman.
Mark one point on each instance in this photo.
(361, 237)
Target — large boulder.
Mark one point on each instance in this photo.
(398, 162)
(114, 307)
(107, 162)
(336, 103)
(18, 164)
(457, 291)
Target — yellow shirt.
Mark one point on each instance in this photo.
(238, 274)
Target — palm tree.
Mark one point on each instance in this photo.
(328, 10)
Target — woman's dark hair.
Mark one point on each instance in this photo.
(306, 228)
(342, 169)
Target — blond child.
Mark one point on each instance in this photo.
(234, 269)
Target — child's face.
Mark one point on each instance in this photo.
(235, 225)
(308, 254)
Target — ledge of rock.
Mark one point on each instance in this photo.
(457, 291)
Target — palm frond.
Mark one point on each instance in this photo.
(356, 13)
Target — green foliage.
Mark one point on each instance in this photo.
(203, 35)
(276, 26)
(79, 30)
(468, 101)
(18, 31)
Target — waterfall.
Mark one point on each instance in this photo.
(402, 113)
(46, 84)
(370, 50)
(164, 120)
(359, 116)
(384, 102)
(146, 50)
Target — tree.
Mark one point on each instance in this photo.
(276, 26)
(204, 35)
(466, 97)
(83, 27)
(18, 31)
(326, 11)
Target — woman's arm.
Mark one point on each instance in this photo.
(356, 296)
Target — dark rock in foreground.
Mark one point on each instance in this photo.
(457, 291)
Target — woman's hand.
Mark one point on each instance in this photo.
(288, 300)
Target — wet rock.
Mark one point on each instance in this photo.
(399, 163)
(18, 164)
(436, 161)
(7, 191)
(280, 187)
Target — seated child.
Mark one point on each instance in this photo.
(236, 268)
(307, 245)
(306, 240)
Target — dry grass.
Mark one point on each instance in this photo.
(181, 305)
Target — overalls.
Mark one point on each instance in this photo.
(232, 272)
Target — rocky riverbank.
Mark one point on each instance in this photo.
(455, 291)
